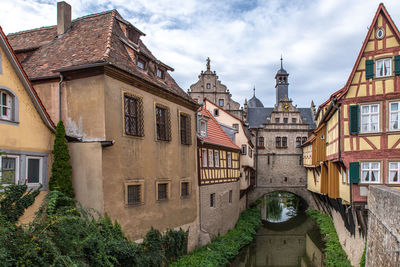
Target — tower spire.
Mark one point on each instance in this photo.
(281, 62)
(254, 91)
(208, 63)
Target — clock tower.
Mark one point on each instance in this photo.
(282, 84)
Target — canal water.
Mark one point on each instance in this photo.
(287, 236)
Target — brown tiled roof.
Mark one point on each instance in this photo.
(91, 39)
(28, 86)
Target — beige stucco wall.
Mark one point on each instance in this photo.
(87, 174)
(146, 159)
(344, 189)
(214, 220)
(30, 133)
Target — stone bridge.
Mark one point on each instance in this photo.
(298, 190)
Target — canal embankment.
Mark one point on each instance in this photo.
(224, 248)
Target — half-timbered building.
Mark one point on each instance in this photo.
(241, 136)
(219, 174)
(357, 141)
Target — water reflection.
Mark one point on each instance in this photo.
(287, 237)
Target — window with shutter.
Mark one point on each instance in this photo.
(354, 111)
(354, 172)
(369, 69)
(396, 65)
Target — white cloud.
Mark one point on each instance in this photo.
(319, 40)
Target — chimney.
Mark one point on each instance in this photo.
(63, 17)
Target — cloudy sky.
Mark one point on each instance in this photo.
(319, 39)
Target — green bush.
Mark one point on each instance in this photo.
(14, 200)
(61, 169)
(334, 253)
(224, 248)
(362, 262)
(63, 234)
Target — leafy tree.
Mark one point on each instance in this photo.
(61, 170)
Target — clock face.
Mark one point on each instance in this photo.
(286, 106)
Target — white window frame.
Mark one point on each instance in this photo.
(203, 128)
(397, 169)
(391, 128)
(386, 72)
(216, 158)
(366, 167)
(16, 167)
(229, 159)
(344, 176)
(204, 156)
(210, 158)
(40, 170)
(369, 115)
(8, 106)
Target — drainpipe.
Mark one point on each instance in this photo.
(59, 96)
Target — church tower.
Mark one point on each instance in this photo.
(282, 84)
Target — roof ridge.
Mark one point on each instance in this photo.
(109, 35)
(54, 26)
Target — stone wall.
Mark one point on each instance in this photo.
(223, 216)
(383, 240)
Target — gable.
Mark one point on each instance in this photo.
(15, 84)
(376, 47)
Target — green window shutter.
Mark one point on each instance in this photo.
(369, 69)
(396, 65)
(354, 172)
(354, 115)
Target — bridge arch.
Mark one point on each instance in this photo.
(298, 191)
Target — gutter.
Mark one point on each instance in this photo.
(59, 96)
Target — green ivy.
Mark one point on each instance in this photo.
(63, 234)
(61, 169)
(334, 253)
(224, 248)
(14, 200)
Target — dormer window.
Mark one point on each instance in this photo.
(160, 74)
(132, 34)
(141, 64)
(203, 128)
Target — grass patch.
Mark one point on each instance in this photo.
(224, 248)
(334, 253)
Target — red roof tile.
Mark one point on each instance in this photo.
(215, 134)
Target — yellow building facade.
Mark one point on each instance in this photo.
(26, 130)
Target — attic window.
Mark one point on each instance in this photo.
(203, 128)
(132, 34)
(141, 64)
(160, 73)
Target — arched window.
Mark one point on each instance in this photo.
(304, 139)
(8, 105)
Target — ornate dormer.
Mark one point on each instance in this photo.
(282, 84)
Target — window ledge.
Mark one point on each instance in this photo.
(369, 133)
(133, 205)
(369, 183)
(9, 122)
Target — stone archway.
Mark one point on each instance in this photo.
(300, 191)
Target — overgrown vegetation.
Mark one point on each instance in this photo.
(61, 169)
(334, 253)
(362, 262)
(63, 234)
(224, 248)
